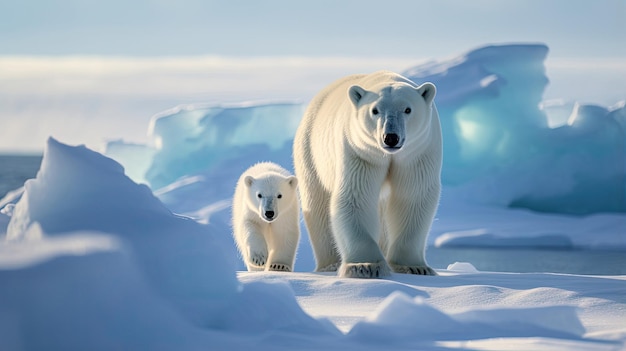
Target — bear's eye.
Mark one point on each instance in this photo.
(375, 111)
(407, 110)
(259, 196)
(280, 196)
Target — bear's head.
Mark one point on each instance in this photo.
(390, 116)
(270, 194)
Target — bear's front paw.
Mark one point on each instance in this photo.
(419, 270)
(364, 270)
(279, 267)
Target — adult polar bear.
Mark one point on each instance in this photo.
(368, 156)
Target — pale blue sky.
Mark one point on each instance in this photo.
(409, 28)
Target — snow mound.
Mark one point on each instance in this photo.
(33, 252)
(78, 179)
(96, 301)
(405, 318)
(78, 189)
(464, 267)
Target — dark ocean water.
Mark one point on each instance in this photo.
(15, 170)
(529, 260)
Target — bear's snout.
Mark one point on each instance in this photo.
(391, 140)
(269, 215)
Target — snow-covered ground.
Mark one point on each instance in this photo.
(93, 260)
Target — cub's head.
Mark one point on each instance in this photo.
(270, 194)
(392, 115)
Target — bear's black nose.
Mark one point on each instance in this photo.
(269, 214)
(391, 140)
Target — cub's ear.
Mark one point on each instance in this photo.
(249, 180)
(356, 93)
(428, 91)
(292, 181)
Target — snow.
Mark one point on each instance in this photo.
(415, 318)
(135, 251)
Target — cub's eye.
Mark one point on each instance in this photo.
(375, 111)
(280, 196)
(259, 196)
(407, 110)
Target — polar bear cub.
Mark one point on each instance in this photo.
(368, 153)
(265, 218)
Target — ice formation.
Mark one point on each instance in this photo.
(196, 138)
(498, 144)
(499, 147)
(79, 190)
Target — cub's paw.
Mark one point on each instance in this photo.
(279, 267)
(419, 270)
(364, 270)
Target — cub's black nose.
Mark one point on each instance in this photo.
(391, 140)
(269, 214)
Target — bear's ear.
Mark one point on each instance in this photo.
(292, 181)
(249, 180)
(428, 91)
(356, 93)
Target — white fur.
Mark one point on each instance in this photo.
(369, 207)
(266, 243)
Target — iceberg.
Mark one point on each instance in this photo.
(499, 148)
(194, 138)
